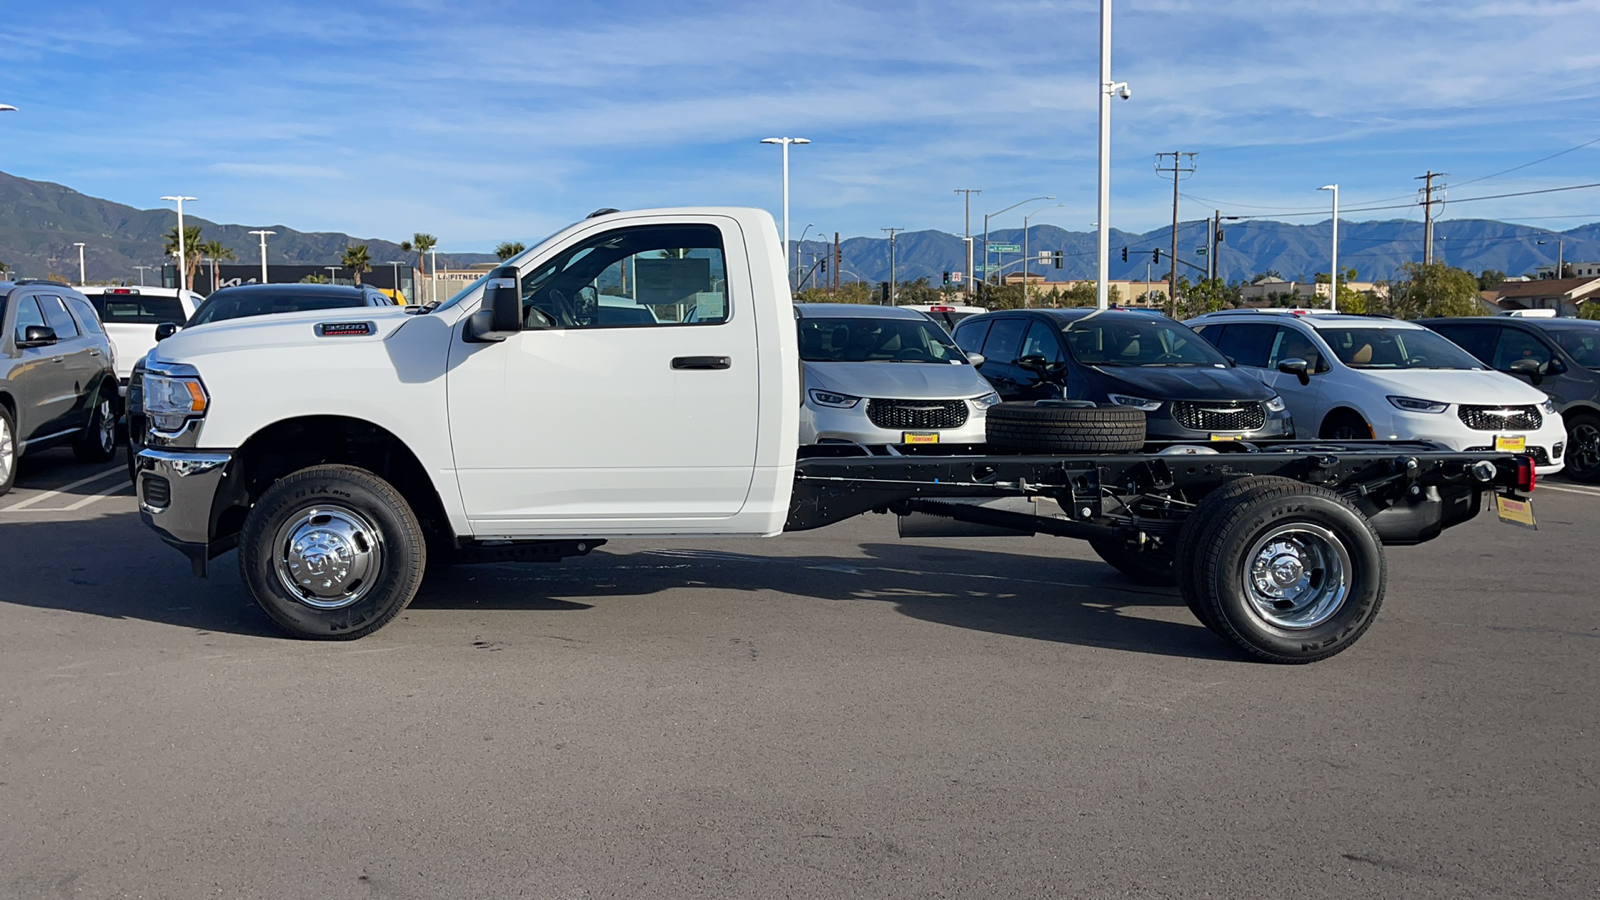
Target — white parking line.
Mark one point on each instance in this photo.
(21, 507)
(1568, 489)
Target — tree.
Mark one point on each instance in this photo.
(191, 249)
(314, 278)
(1589, 310)
(508, 249)
(357, 260)
(1433, 289)
(216, 251)
(1263, 276)
(1489, 279)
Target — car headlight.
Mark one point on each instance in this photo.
(1275, 404)
(986, 401)
(173, 394)
(1135, 402)
(832, 398)
(1548, 407)
(1412, 404)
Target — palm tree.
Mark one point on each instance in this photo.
(357, 260)
(422, 243)
(218, 252)
(508, 249)
(191, 249)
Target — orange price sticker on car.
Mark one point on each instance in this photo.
(1510, 443)
(1227, 437)
(919, 437)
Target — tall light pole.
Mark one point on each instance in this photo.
(967, 239)
(1333, 284)
(1560, 251)
(1107, 88)
(263, 235)
(81, 278)
(399, 294)
(433, 283)
(986, 229)
(1027, 262)
(894, 286)
(333, 274)
(141, 273)
(788, 261)
(183, 268)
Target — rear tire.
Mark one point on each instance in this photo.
(1151, 565)
(1064, 429)
(98, 442)
(1583, 448)
(1290, 574)
(1196, 530)
(332, 553)
(8, 450)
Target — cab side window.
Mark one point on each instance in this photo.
(1248, 343)
(1041, 341)
(634, 277)
(1292, 344)
(28, 315)
(84, 313)
(57, 317)
(1005, 339)
(970, 338)
(1515, 344)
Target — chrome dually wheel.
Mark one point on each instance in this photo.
(328, 556)
(1297, 576)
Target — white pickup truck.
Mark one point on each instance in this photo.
(637, 375)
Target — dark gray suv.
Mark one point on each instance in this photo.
(57, 381)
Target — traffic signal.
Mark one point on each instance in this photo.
(1057, 259)
(1219, 235)
(1155, 255)
(883, 289)
(947, 278)
(824, 264)
(1124, 254)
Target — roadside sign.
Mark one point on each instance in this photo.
(955, 277)
(1005, 248)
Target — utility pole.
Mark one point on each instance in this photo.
(967, 277)
(894, 286)
(836, 262)
(1215, 242)
(1178, 169)
(1427, 212)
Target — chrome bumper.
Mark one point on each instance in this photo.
(177, 492)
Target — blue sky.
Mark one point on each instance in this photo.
(484, 121)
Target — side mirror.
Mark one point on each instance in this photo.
(501, 315)
(1034, 364)
(1528, 368)
(166, 330)
(37, 336)
(1231, 361)
(977, 359)
(1297, 368)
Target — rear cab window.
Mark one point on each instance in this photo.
(137, 309)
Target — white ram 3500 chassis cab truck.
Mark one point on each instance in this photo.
(637, 375)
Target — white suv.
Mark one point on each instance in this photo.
(131, 315)
(1358, 377)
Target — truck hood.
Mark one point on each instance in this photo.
(897, 380)
(1476, 386)
(280, 330)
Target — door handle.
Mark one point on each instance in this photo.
(58, 359)
(702, 362)
(93, 352)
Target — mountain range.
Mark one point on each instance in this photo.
(41, 221)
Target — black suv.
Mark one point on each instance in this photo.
(57, 384)
(1187, 390)
(1559, 356)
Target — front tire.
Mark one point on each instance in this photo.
(1346, 426)
(1583, 448)
(98, 443)
(332, 553)
(1291, 574)
(8, 450)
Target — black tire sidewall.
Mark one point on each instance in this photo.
(405, 554)
(1589, 476)
(1221, 576)
(16, 455)
(87, 448)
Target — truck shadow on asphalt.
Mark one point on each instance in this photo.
(112, 566)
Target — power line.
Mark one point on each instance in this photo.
(1570, 187)
(1534, 163)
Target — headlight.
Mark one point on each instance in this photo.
(1135, 402)
(986, 401)
(173, 395)
(829, 398)
(1275, 404)
(1412, 404)
(1548, 407)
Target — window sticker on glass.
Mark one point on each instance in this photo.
(665, 282)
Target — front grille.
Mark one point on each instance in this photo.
(917, 413)
(1540, 456)
(1244, 415)
(157, 492)
(1500, 418)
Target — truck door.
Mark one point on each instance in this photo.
(630, 403)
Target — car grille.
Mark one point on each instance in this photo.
(917, 413)
(1244, 415)
(1500, 418)
(1540, 455)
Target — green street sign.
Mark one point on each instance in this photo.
(1005, 248)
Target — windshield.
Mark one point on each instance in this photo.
(1137, 340)
(223, 305)
(1396, 348)
(849, 339)
(1583, 345)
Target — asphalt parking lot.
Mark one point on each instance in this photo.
(838, 713)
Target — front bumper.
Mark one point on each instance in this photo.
(1547, 443)
(1161, 426)
(177, 491)
(819, 424)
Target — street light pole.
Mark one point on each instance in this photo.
(1560, 249)
(986, 228)
(1333, 281)
(263, 235)
(1107, 88)
(333, 274)
(81, 278)
(788, 260)
(433, 282)
(1027, 260)
(141, 273)
(400, 295)
(183, 268)
(894, 285)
